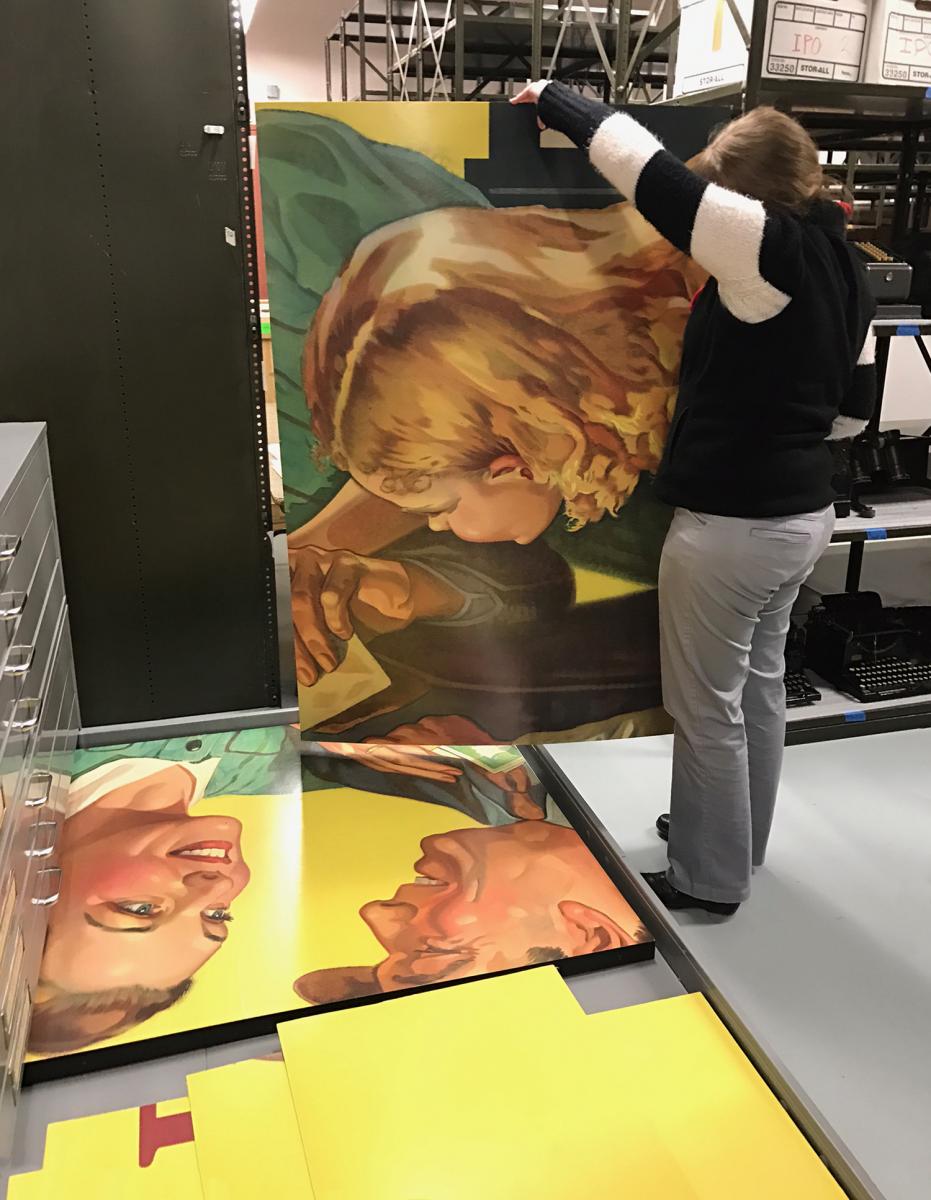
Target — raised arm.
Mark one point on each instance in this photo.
(755, 255)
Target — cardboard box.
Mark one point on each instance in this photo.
(711, 52)
(900, 43)
(824, 40)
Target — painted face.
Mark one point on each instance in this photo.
(488, 900)
(145, 899)
(501, 504)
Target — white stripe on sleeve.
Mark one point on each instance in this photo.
(726, 241)
(846, 427)
(621, 147)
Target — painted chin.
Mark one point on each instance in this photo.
(521, 537)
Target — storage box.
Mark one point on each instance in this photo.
(823, 40)
(711, 52)
(900, 43)
(827, 40)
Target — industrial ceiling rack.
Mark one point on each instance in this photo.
(470, 49)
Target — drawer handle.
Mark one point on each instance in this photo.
(44, 851)
(26, 715)
(12, 605)
(9, 546)
(47, 901)
(18, 661)
(39, 789)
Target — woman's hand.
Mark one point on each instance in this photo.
(530, 95)
(333, 591)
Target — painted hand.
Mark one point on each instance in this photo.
(452, 730)
(335, 591)
(419, 761)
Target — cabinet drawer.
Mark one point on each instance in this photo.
(46, 795)
(22, 664)
(10, 933)
(20, 505)
(17, 832)
(25, 718)
(40, 520)
(21, 603)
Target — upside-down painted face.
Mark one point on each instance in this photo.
(146, 889)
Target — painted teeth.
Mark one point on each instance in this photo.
(206, 852)
(426, 881)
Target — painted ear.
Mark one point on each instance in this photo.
(509, 464)
(593, 931)
(334, 984)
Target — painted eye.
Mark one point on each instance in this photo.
(137, 908)
(217, 914)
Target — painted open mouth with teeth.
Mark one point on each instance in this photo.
(427, 875)
(212, 852)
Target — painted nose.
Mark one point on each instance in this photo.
(205, 879)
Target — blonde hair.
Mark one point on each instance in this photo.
(766, 155)
(458, 335)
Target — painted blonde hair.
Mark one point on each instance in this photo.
(458, 335)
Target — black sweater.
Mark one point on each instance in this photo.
(778, 352)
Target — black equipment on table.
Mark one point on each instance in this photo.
(889, 278)
(799, 690)
(879, 466)
(869, 652)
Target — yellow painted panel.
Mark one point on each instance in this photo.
(316, 860)
(455, 1095)
(246, 1135)
(714, 1112)
(101, 1158)
(446, 133)
(447, 1096)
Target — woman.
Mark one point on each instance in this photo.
(777, 359)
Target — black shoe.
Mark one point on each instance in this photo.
(662, 826)
(674, 899)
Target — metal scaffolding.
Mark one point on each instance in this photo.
(468, 49)
(876, 137)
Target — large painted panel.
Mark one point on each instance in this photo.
(211, 884)
(476, 350)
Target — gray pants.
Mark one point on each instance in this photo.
(726, 590)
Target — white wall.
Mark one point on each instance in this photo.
(907, 395)
(284, 46)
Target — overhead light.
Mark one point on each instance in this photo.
(247, 11)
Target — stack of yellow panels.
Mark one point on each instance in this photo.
(135, 1154)
(500, 1089)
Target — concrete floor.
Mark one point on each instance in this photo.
(829, 963)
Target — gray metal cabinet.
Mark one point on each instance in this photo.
(39, 721)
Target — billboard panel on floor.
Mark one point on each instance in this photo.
(213, 884)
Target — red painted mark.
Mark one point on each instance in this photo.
(155, 1132)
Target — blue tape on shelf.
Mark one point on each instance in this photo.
(876, 535)
(855, 717)
(908, 330)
